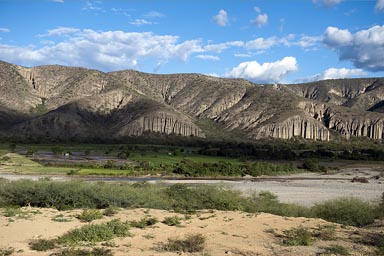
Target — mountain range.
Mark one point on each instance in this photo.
(77, 104)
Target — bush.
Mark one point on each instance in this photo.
(83, 252)
(144, 222)
(191, 243)
(346, 210)
(7, 251)
(89, 215)
(297, 237)
(94, 233)
(110, 211)
(42, 245)
(335, 249)
(171, 221)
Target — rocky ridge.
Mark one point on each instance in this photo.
(57, 102)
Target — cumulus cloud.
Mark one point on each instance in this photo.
(5, 30)
(379, 6)
(260, 20)
(207, 57)
(109, 50)
(327, 3)
(365, 48)
(268, 72)
(221, 18)
(335, 73)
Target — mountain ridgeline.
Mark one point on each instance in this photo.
(59, 103)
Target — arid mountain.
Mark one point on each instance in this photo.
(66, 103)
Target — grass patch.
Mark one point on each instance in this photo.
(191, 243)
(94, 233)
(7, 251)
(347, 211)
(335, 249)
(89, 215)
(110, 211)
(60, 218)
(326, 233)
(42, 245)
(299, 236)
(83, 252)
(171, 221)
(143, 223)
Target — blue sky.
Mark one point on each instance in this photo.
(265, 41)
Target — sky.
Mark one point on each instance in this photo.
(264, 41)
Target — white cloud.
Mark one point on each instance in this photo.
(257, 9)
(221, 18)
(336, 37)
(141, 22)
(365, 48)
(335, 73)
(207, 57)
(223, 46)
(327, 3)
(61, 31)
(92, 6)
(268, 72)
(262, 43)
(109, 50)
(260, 20)
(379, 6)
(57, 1)
(5, 30)
(243, 55)
(154, 14)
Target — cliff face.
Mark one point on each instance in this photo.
(69, 103)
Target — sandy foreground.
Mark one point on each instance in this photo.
(226, 232)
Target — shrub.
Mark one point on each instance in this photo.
(171, 221)
(94, 233)
(335, 249)
(42, 245)
(110, 211)
(297, 236)
(346, 210)
(191, 243)
(144, 222)
(7, 251)
(326, 232)
(89, 215)
(83, 252)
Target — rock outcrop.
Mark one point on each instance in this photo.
(58, 102)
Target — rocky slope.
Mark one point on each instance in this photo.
(67, 103)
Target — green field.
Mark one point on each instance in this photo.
(129, 160)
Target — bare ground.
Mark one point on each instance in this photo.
(227, 233)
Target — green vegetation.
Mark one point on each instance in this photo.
(42, 245)
(110, 211)
(297, 237)
(83, 252)
(7, 251)
(143, 223)
(89, 215)
(172, 221)
(335, 249)
(93, 233)
(178, 197)
(346, 210)
(191, 243)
